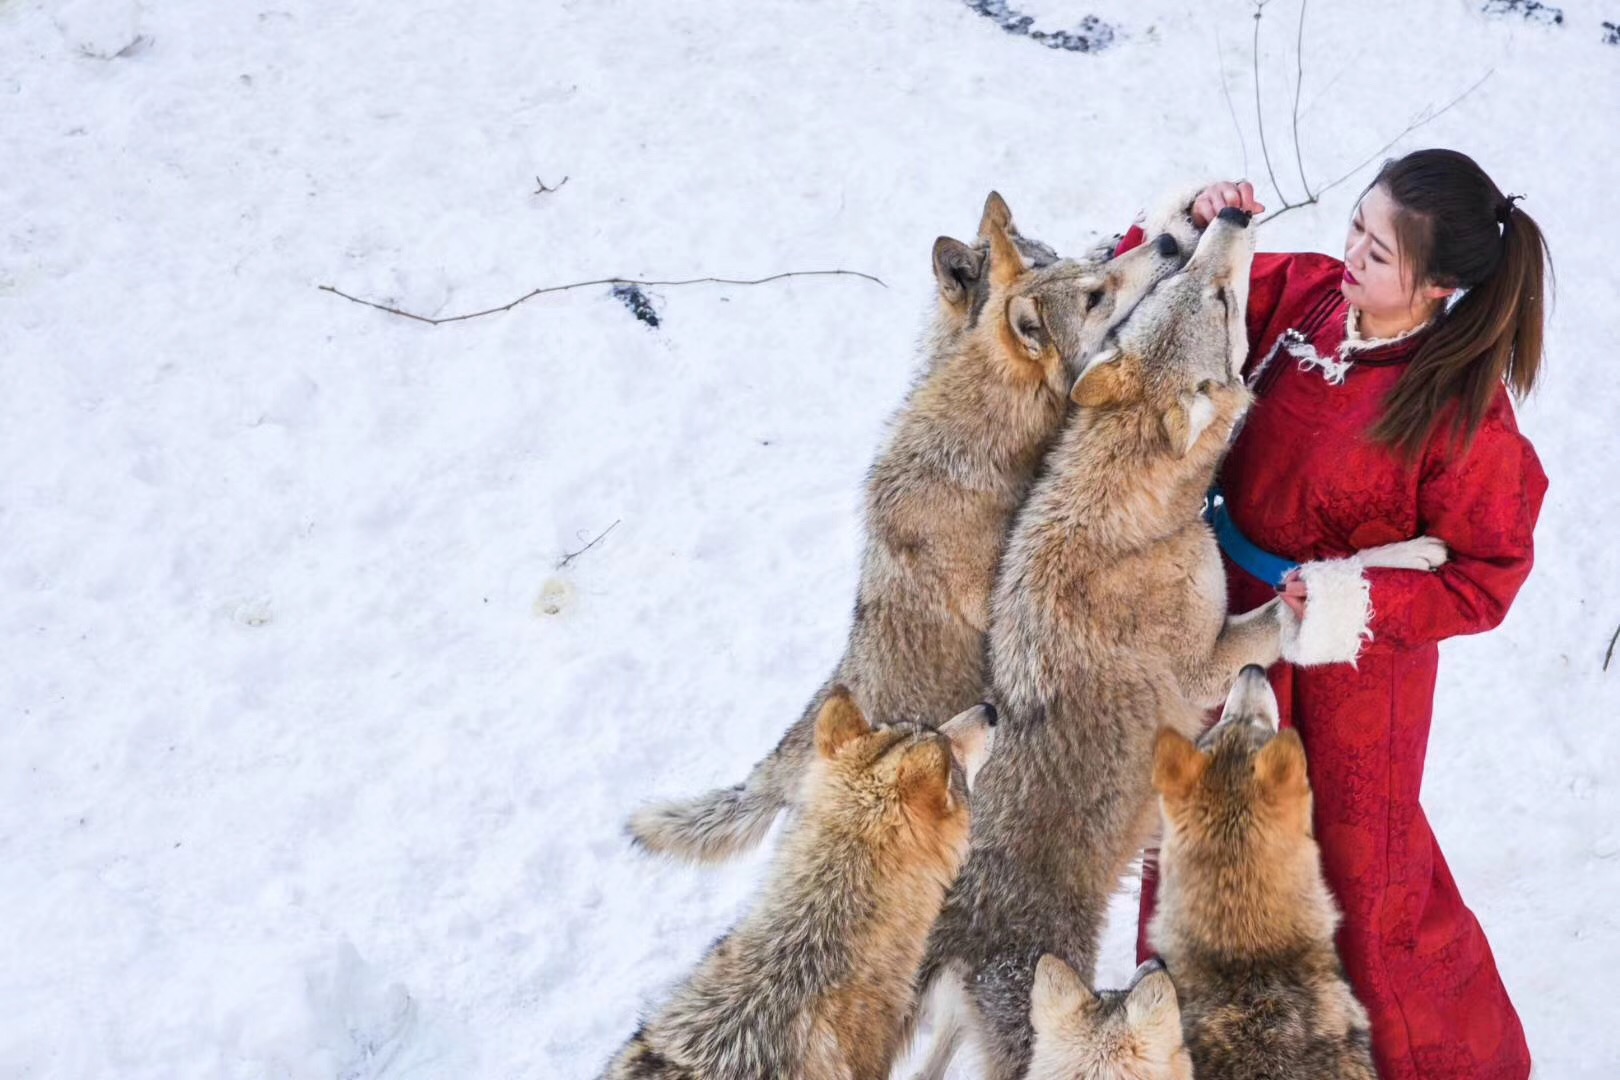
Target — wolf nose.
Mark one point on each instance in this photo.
(1235, 216)
(1167, 246)
(989, 713)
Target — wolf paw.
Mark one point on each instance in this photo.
(1423, 553)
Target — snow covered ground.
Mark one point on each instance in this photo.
(313, 762)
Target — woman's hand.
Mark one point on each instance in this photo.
(1293, 593)
(1215, 198)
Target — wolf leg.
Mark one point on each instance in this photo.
(726, 822)
(1255, 637)
(950, 1010)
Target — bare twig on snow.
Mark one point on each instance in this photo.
(572, 555)
(587, 284)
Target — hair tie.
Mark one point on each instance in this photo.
(1504, 209)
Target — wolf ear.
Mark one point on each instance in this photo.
(925, 776)
(996, 227)
(1186, 420)
(1177, 764)
(1279, 768)
(1027, 326)
(1057, 993)
(1102, 383)
(1153, 1011)
(839, 723)
(956, 267)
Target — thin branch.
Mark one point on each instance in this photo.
(1243, 143)
(572, 555)
(1299, 81)
(541, 189)
(1610, 654)
(1428, 115)
(1259, 113)
(587, 284)
(1424, 117)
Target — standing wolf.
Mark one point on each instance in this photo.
(1108, 622)
(965, 449)
(1245, 922)
(814, 984)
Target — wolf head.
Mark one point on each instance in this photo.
(1238, 860)
(896, 784)
(1131, 1034)
(1033, 311)
(962, 270)
(1179, 357)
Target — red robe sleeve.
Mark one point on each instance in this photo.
(1483, 502)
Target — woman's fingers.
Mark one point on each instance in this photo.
(1203, 210)
(1221, 194)
(1293, 593)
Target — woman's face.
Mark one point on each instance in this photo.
(1375, 278)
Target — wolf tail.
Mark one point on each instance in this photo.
(708, 829)
(726, 822)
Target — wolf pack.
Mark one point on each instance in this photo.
(1040, 635)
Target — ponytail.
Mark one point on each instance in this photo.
(1463, 232)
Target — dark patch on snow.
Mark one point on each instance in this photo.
(1092, 35)
(1528, 10)
(640, 306)
(1611, 33)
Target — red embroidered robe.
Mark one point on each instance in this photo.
(1304, 481)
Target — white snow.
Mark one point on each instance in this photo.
(314, 763)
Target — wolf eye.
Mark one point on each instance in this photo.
(1093, 298)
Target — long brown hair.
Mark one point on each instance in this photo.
(1455, 228)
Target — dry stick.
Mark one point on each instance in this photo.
(1243, 143)
(1259, 113)
(1610, 654)
(572, 555)
(586, 284)
(543, 190)
(1424, 117)
(1299, 81)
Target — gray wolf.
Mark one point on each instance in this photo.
(814, 983)
(965, 448)
(1108, 622)
(1245, 922)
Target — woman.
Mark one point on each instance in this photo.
(1382, 413)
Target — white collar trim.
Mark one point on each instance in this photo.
(1354, 342)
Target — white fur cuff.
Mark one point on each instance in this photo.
(1338, 608)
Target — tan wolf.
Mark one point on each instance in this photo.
(1245, 922)
(1130, 1034)
(965, 448)
(1109, 620)
(814, 983)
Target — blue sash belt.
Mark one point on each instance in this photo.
(1269, 568)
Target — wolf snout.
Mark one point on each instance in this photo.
(972, 733)
(1167, 246)
(1233, 215)
(1149, 967)
(1251, 700)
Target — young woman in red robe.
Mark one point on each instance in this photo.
(1382, 413)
